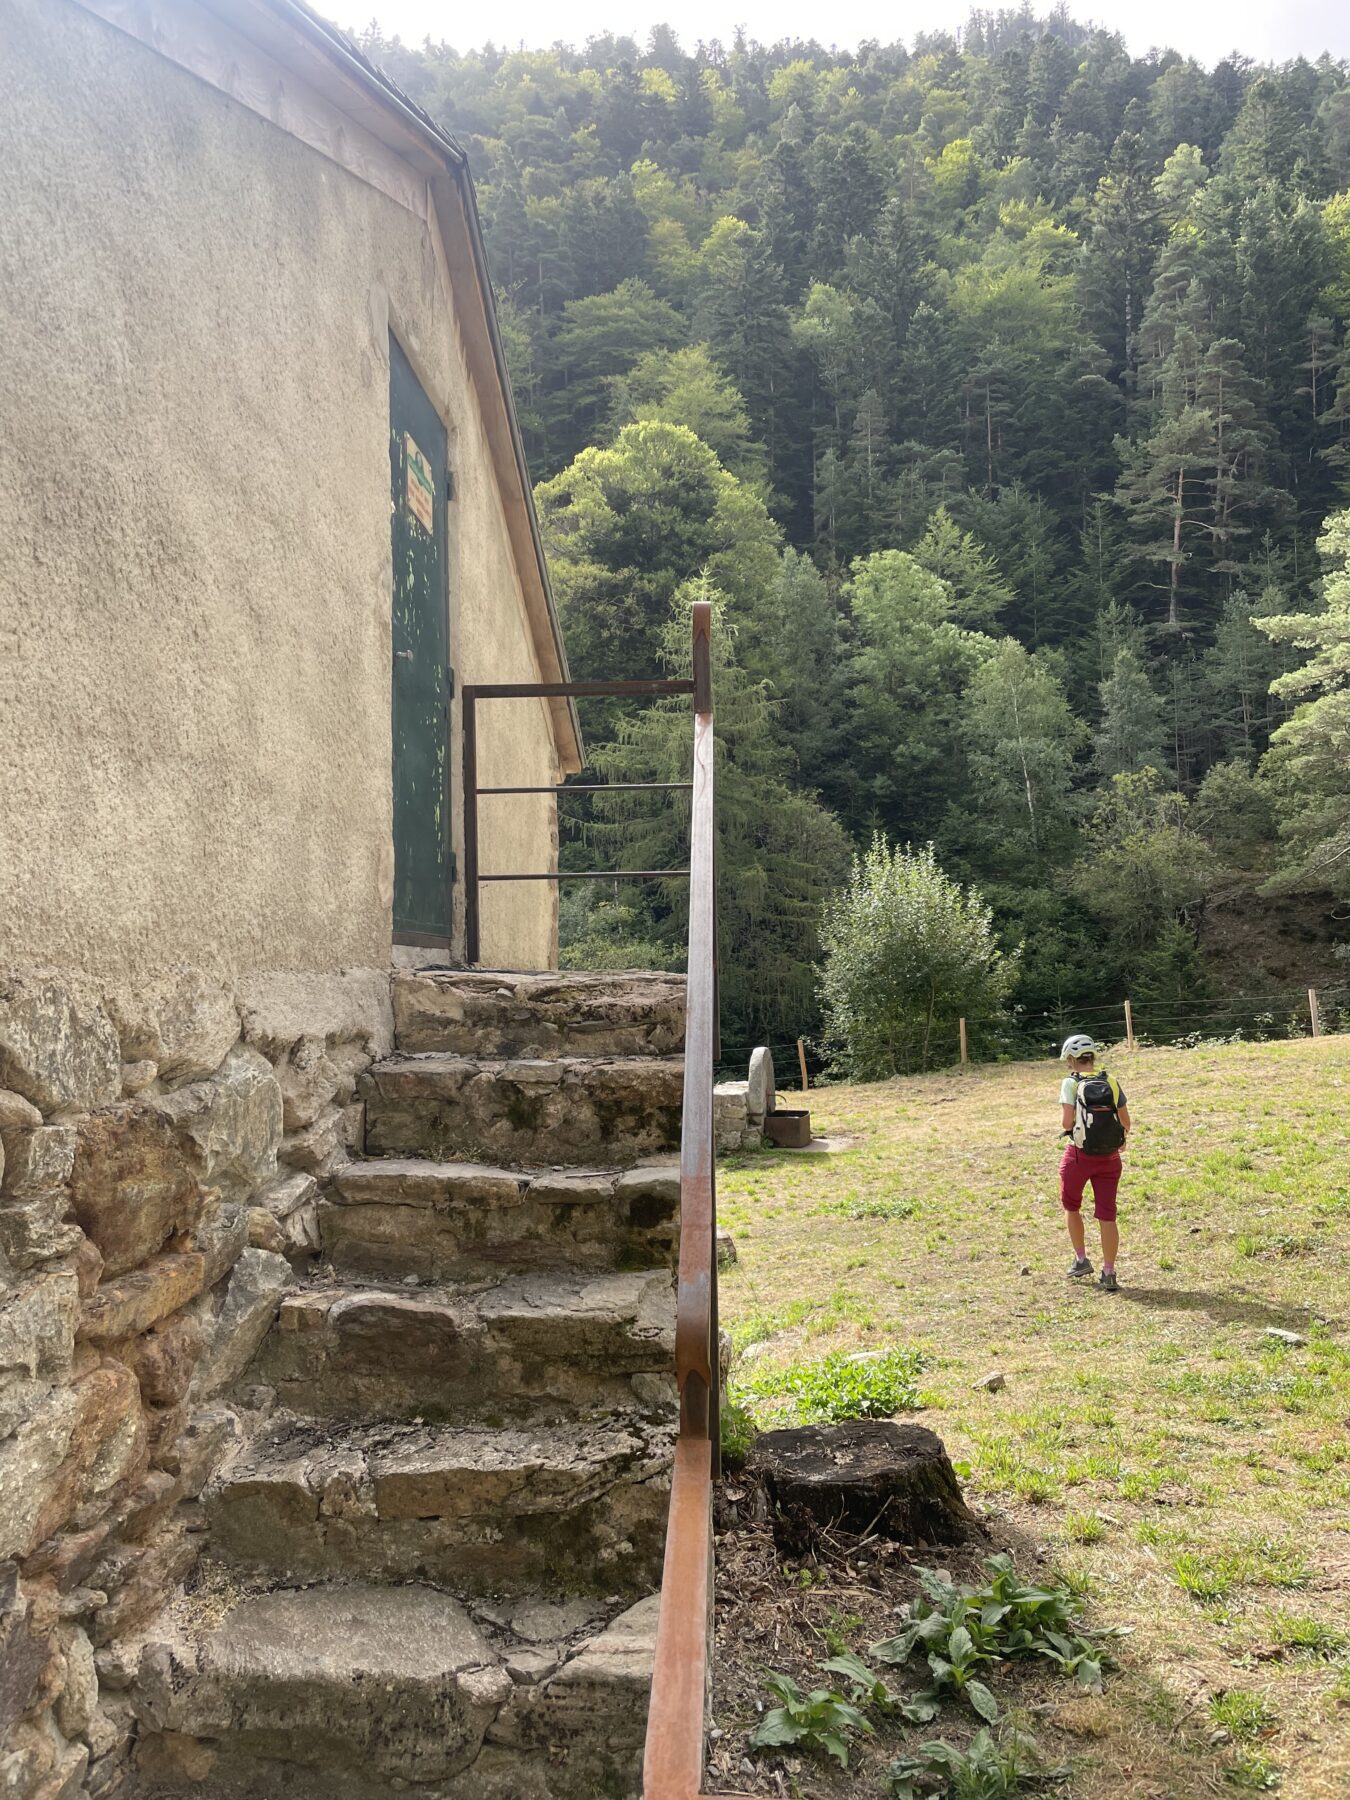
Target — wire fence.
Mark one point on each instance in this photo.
(1259, 1017)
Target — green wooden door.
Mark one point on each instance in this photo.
(422, 679)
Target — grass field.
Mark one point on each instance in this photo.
(1187, 1471)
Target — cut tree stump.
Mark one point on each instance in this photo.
(864, 1476)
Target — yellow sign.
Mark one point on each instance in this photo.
(421, 492)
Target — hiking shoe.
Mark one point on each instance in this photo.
(1081, 1266)
(1106, 1281)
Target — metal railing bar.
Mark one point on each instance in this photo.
(597, 787)
(571, 690)
(594, 875)
(673, 1759)
(673, 1763)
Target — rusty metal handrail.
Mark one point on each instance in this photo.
(673, 1762)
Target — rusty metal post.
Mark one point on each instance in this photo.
(471, 927)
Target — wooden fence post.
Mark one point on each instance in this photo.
(1314, 1012)
(1129, 1026)
(964, 1056)
(801, 1058)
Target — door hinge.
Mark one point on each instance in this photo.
(454, 868)
(449, 484)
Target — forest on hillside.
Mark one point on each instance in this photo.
(997, 389)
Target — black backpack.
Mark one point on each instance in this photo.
(1097, 1129)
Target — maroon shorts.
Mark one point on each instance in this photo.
(1077, 1168)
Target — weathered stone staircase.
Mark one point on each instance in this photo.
(430, 1566)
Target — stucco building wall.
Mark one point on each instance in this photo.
(195, 578)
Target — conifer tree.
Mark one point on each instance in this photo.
(1132, 732)
(1308, 763)
(979, 594)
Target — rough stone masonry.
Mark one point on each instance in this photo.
(163, 1153)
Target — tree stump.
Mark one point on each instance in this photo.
(865, 1476)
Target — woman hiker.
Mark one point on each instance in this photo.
(1096, 1121)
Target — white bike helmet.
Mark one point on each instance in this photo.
(1078, 1045)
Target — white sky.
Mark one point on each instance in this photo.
(1267, 30)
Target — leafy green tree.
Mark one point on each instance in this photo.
(1019, 528)
(685, 387)
(832, 330)
(1170, 973)
(909, 667)
(1145, 863)
(907, 953)
(1021, 738)
(1196, 490)
(890, 271)
(1234, 811)
(1264, 142)
(628, 525)
(600, 338)
(740, 311)
(867, 482)
(779, 852)
(1178, 188)
(849, 187)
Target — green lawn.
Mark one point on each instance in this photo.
(1190, 1472)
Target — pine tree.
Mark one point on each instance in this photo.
(1308, 764)
(1118, 257)
(1132, 731)
(890, 270)
(849, 190)
(787, 204)
(866, 482)
(979, 594)
(1240, 669)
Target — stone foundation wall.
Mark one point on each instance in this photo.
(163, 1150)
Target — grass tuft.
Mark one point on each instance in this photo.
(844, 1385)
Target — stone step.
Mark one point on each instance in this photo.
(570, 1112)
(357, 1692)
(540, 1347)
(494, 1013)
(457, 1221)
(545, 1510)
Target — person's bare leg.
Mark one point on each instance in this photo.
(1074, 1220)
(1110, 1240)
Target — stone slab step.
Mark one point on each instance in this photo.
(453, 1221)
(541, 1347)
(357, 1692)
(495, 1013)
(398, 1679)
(548, 1510)
(570, 1112)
